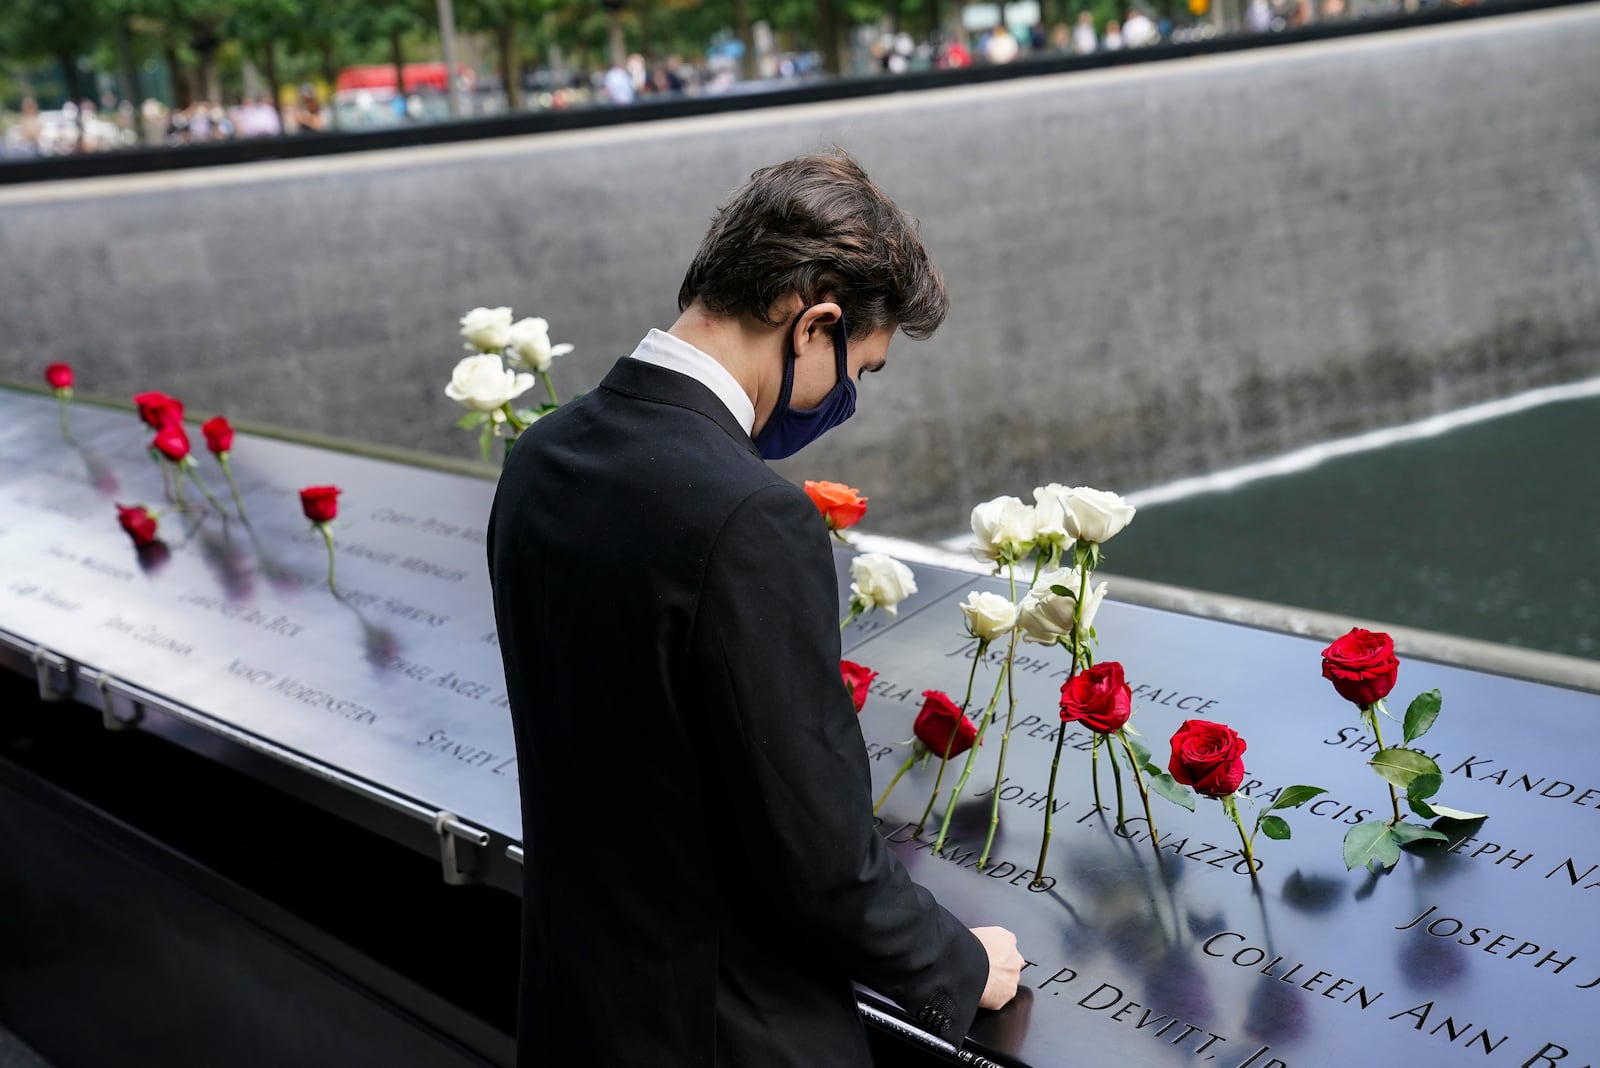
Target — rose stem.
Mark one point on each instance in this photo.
(194, 473)
(177, 486)
(1061, 736)
(912, 759)
(1232, 808)
(1094, 763)
(1144, 795)
(1011, 714)
(227, 473)
(549, 387)
(166, 477)
(322, 528)
(972, 756)
(855, 611)
(1372, 718)
(61, 411)
(1116, 778)
(965, 701)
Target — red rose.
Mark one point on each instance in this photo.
(219, 435)
(856, 679)
(172, 441)
(139, 523)
(1362, 666)
(941, 723)
(59, 375)
(840, 505)
(1207, 756)
(1097, 697)
(320, 503)
(158, 409)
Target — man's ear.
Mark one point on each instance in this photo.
(817, 322)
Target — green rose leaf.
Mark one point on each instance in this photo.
(1061, 591)
(1141, 751)
(472, 420)
(1401, 766)
(1406, 833)
(1420, 807)
(1172, 790)
(1424, 786)
(1456, 813)
(1420, 716)
(1294, 797)
(1370, 843)
(485, 439)
(1275, 827)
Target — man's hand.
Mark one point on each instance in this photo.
(1005, 966)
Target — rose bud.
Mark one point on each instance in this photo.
(59, 376)
(219, 435)
(320, 503)
(857, 678)
(1362, 666)
(139, 522)
(1097, 697)
(941, 723)
(841, 506)
(158, 409)
(172, 441)
(1207, 756)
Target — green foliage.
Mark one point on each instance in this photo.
(1170, 788)
(1275, 827)
(1456, 814)
(1160, 781)
(1370, 844)
(1424, 786)
(1406, 833)
(1401, 766)
(1422, 713)
(1294, 797)
(472, 420)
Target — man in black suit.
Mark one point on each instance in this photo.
(703, 880)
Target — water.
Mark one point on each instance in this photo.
(1490, 531)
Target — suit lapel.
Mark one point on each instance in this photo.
(648, 382)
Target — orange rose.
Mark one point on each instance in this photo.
(840, 505)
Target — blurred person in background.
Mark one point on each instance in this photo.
(1137, 29)
(1083, 39)
(30, 128)
(308, 114)
(619, 85)
(1113, 39)
(1001, 47)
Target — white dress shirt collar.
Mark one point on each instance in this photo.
(676, 354)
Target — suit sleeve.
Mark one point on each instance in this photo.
(765, 660)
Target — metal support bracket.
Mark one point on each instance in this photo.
(46, 666)
(108, 705)
(450, 829)
(514, 853)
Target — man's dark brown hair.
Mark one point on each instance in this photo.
(817, 226)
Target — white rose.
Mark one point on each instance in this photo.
(1047, 615)
(989, 615)
(880, 581)
(1050, 513)
(529, 345)
(1005, 529)
(487, 329)
(1096, 515)
(484, 384)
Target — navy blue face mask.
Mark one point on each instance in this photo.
(788, 430)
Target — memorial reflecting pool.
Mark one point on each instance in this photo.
(1489, 531)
